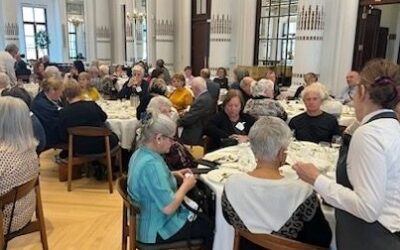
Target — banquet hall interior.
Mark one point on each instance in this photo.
(113, 65)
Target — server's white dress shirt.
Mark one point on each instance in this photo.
(373, 168)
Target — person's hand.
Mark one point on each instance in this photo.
(189, 181)
(306, 171)
(132, 82)
(240, 138)
(181, 173)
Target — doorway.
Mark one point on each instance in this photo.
(201, 12)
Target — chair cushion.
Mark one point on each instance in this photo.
(172, 245)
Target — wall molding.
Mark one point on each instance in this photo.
(311, 17)
(164, 27)
(221, 24)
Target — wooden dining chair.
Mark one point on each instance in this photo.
(130, 209)
(37, 225)
(272, 242)
(80, 159)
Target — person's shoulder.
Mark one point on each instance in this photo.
(328, 116)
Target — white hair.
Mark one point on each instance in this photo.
(4, 80)
(138, 68)
(16, 130)
(157, 102)
(199, 83)
(52, 71)
(267, 136)
(155, 123)
(104, 69)
(263, 87)
(316, 87)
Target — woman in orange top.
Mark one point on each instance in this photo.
(181, 97)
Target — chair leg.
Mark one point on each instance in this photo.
(40, 217)
(69, 173)
(132, 232)
(120, 161)
(236, 242)
(124, 227)
(109, 166)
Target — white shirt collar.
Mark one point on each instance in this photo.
(372, 114)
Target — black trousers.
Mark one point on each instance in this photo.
(200, 228)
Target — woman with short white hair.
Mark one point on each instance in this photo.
(4, 81)
(264, 201)
(18, 160)
(154, 187)
(262, 102)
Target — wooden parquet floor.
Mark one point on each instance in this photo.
(88, 217)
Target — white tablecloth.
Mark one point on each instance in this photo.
(121, 120)
(32, 88)
(224, 233)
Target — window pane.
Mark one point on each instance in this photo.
(42, 52)
(30, 53)
(198, 7)
(29, 31)
(40, 27)
(40, 16)
(27, 14)
(30, 41)
(71, 28)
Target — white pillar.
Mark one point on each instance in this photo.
(11, 27)
(220, 35)
(151, 32)
(183, 32)
(165, 33)
(103, 31)
(338, 44)
(243, 31)
(309, 36)
(117, 24)
(90, 23)
(2, 27)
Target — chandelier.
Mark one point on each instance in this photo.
(135, 16)
(75, 20)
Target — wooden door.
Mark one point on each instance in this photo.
(382, 42)
(201, 12)
(367, 36)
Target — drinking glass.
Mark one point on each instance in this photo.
(336, 141)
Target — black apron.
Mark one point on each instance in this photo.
(353, 233)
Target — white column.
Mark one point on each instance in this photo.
(165, 33)
(151, 31)
(338, 44)
(2, 28)
(243, 32)
(309, 37)
(220, 35)
(103, 31)
(183, 28)
(10, 22)
(61, 29)
(117, 24)
(90, 23)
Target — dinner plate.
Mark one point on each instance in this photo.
(221, 175)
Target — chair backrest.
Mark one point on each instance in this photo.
(123, 191)
(14, 195)
(271, 241)
(89, 131)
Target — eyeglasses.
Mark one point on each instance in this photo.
(171, 138)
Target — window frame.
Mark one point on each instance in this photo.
(46, 51)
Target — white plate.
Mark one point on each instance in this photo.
(221, 175)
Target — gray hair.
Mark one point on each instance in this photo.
(157, 102)
(12, 49)
(314, 88)
(263, 87)
(16, 125)
(267, 136)
(138, 68)
(199, 83)
(52, 71)
(104, 69)
(4, 80)
(155, 123)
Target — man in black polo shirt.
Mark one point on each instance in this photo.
(314, 125)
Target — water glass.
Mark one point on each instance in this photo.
(336, 141)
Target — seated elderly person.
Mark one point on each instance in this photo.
(181, 97)
(38, 130)
(18, 161)
(136, 85)
(107, 83)
(194, 121)
(83, 113)
(52, 71)
(4, 81)
(46, 106)
(245, 87)
(153, 186)
(231, 125)
(264, 201)
(157, 87)
(88, 92)
(262, 102)
(309, 78)
(314, 125)
(348, 92)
